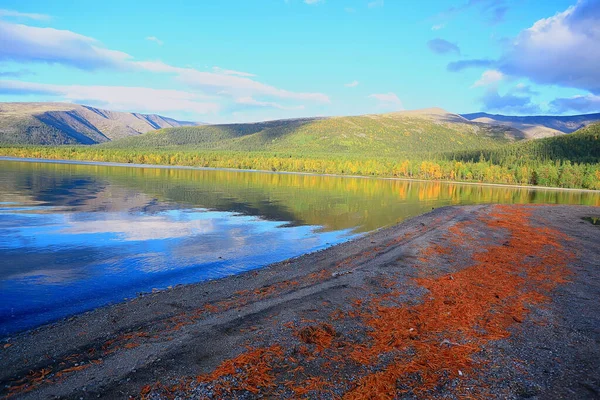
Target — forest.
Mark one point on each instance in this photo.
(567, 161)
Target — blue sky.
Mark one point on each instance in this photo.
(250, 60)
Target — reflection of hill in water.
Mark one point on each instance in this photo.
(332, 202)
(44, 185)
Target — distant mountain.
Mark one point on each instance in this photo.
(428, 130)
(535, 127)
(64, 123)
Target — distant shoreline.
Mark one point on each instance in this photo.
(158, 166)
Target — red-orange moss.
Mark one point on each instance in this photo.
(252, 371)
(464, 310)
(434, 342)
(320, 335)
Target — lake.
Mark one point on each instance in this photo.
(75, 237)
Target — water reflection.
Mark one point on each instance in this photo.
(74, 237)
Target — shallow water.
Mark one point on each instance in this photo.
(75, 237)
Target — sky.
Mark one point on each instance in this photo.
(224, 61)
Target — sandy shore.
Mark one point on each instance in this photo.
(482, 301)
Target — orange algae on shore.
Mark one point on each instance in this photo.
(464, 310)
(319, 335)
(420, 348)
(252, 370)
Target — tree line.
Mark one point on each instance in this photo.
(487, 168)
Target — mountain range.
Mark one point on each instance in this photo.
(431, 130)
(389, 134)
(66, 123)
(535, 127)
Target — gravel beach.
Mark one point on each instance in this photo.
(491, 301)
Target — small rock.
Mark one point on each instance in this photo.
(339, 273)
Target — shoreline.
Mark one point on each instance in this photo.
(190, 330)
(159, 166)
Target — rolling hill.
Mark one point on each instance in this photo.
(581, 146)
(429, 130)
(65, 123)
(535, 127)
(569, 160)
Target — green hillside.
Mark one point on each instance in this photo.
(432, 130)
(582, 146)
(571, 160)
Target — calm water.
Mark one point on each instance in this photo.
(75, 237)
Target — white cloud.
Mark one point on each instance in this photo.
(144, 228)
(313, 1)
(351, 84)
(232, 85)
(350, 10)
(123, 98)
(437, 27)
(231, 72)
(24, 43)
(375, 3)
(17, 14)
(249, 101)
(524, 89)
(562, 50)
(388, 100)
(155, 40)
(489, 77)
